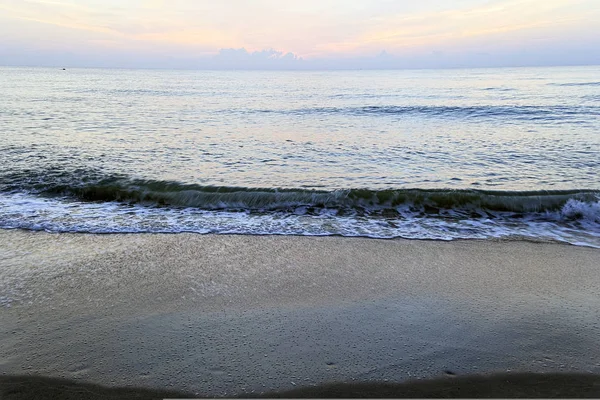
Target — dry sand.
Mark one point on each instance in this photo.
(226, 315)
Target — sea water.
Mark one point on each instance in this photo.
(427, 154)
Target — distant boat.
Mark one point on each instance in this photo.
(64, 69)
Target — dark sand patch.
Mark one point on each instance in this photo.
(40, 388)
(491, 386)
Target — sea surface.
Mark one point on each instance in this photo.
(422, 154)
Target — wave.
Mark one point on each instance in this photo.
(96, 188)
(575, 84)
(524, 112)
(591, 97)
(95, 203)
(499, 89)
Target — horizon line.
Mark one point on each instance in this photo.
(291, 69)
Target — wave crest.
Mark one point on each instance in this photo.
(571, 203)
(556, 112)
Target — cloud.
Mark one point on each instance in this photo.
(241, 59)
(308, 34)
(454, 26)
(265, 59)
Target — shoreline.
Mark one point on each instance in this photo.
(228, 314)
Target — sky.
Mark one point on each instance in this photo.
(299, 34)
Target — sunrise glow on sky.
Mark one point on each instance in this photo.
(297, 34)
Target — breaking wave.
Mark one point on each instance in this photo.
(574, 204)
(94, 203)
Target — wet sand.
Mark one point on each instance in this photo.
(245, 315)
(521, 385)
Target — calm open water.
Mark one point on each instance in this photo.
(431, 154)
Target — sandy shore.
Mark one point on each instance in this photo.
(226, 315)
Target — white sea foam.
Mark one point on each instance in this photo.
(577, 223)
(576, 209)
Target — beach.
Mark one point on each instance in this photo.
(225, 315)
(199, 200)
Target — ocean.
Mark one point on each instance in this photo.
(511, 153)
